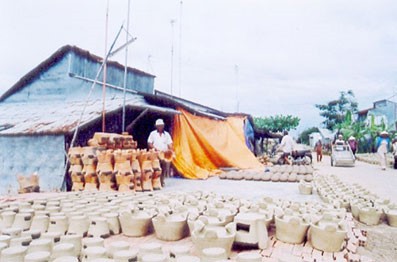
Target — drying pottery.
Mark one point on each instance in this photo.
(135, 222)
(123, 170)
(248, 257)
(43, 256)
(105, 170)
(305, 188)
(58, 224)
(251, 230)
(22, 220)
(98, 227)
(369, 215)
(39, 245)
(125, 256)
(291, 229)
(113, 222)
(170, 227)
(75, 240)
(147, 171)
(117, 246)
(275, 177)
(91, 253)
(327, 237)
(391, 216)
(78, 225)
(13, 254)
(204, 236)
(213, 254)
(156, 179)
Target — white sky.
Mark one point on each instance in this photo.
(290, 54)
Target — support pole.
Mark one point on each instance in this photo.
(105, 71)
(133, 123)
(125, 66)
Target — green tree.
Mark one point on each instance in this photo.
(335, 111)
(304, 137)
(277, 123)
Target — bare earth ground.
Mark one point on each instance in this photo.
(382, 239)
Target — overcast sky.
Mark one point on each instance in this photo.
(289, 54)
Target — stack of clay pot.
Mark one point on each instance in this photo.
(365, 206)
(371, 158)
(111, 163)
(28, 184)
(277, 173)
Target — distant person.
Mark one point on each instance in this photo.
(161, 140)
(339, 141)
(382, 145)
(287, 146)
(353, 144)
(319, 150)
(395, 152)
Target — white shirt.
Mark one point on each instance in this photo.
(287, 144)
(160, 141)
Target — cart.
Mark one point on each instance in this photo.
(342, 155)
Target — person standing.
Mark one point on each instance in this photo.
(319, 150)
(382, 144)
(395, 152)
(287, 146)
(161, 140)
(353, 144)
(339, 141)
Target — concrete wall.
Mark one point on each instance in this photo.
(28, 154)
(386, 110)
(57, 84)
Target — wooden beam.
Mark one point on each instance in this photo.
(130, 126)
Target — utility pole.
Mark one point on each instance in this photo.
(105, 71)
(125, 66)
(236, 73)
(172, 55)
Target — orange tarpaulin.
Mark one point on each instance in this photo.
(203, 145)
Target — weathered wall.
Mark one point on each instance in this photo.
(28, 154)
(57, 84)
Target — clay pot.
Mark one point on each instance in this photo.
(22, 220)
(78, 225)
(116, 247)
(305, 188)
(113, 222)
(170, 227)
(13, 254)
(58, 224)
(291, 229)
(125, 256)
(251, 230)
(275, 177)
(369, 216)
(284, 177)
(136, 222)
(210, 236)
(329, 237)
(39, 245)
(391, 216)
(248, 257)
(213, 254)
(98, 227)
(42, 256)
(292, 177)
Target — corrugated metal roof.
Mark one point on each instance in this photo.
(61, 117)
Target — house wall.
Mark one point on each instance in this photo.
(386, 110)
(57, 83)
(27, 154)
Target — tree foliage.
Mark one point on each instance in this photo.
(277, 123)
(304, 137)
(335, 111)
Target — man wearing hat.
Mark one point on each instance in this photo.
(382, 143)
(161, 140)
(353, 144)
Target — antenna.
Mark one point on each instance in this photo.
(172, 53)
(180, 48)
